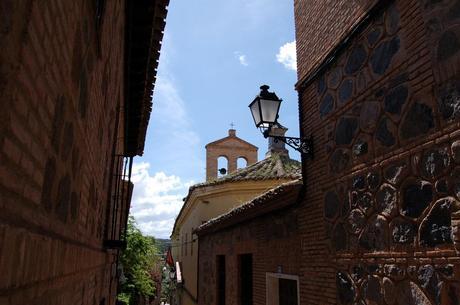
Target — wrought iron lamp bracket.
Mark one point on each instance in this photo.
(303, 145)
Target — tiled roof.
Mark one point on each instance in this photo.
(255, 206)
(273, 168)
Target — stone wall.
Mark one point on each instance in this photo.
(60, 83)
(273, 241)
(380, 220)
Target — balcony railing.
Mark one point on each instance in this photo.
(119, 202)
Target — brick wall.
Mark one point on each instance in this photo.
(379, 223)
(231, 148)
(60, 84)
(320, 24)
(271, 239)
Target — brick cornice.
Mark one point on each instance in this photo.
(342, 44)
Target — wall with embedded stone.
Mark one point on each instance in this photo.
(380, 223)
(320, 25)
(60, 82)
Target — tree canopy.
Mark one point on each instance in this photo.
(138, 261)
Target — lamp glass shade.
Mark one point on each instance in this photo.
(264, 108)
(269, 110)
(255, 111)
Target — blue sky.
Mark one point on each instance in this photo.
(214, 57)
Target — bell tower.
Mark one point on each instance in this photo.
(232, 148)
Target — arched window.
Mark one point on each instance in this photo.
(242, 162)
(222, 166)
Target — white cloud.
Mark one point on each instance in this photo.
(287, 56)
(173, 155)
(241, 58)
(169, 106)
(175, 147)
(157, 199)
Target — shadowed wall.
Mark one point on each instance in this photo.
(379, 223)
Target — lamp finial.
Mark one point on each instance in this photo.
(264, 87)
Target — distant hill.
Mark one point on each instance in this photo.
(163, 244)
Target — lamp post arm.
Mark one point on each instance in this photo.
(304, 146)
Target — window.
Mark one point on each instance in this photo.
(220, 279)
(186, 243)
(191, 243)
(182, 246)
(287, 291)
(118, 202)
(100, 8)
(282, 289)
(245, 279)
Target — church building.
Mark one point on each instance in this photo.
(217, 196)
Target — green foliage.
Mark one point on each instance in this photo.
(124, 297)
(166, 289)
(138, 260)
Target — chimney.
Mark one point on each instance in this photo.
(277, 146)
(232, 132)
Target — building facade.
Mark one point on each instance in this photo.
(215, 197)
(377, 220)
(251, 255)
(76, 79)
(379, 90)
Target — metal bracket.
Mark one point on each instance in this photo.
(304, 146)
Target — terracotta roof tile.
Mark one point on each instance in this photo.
(252, 205)
(272, 168)
(275, 167)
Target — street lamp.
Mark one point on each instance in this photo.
(172, 275)
(264, 109)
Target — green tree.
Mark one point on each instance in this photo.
(137, 260)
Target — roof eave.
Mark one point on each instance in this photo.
(145, 23)
(287, 196)
(191, 196)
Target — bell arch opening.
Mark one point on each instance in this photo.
(241, 162)
(222, 166)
